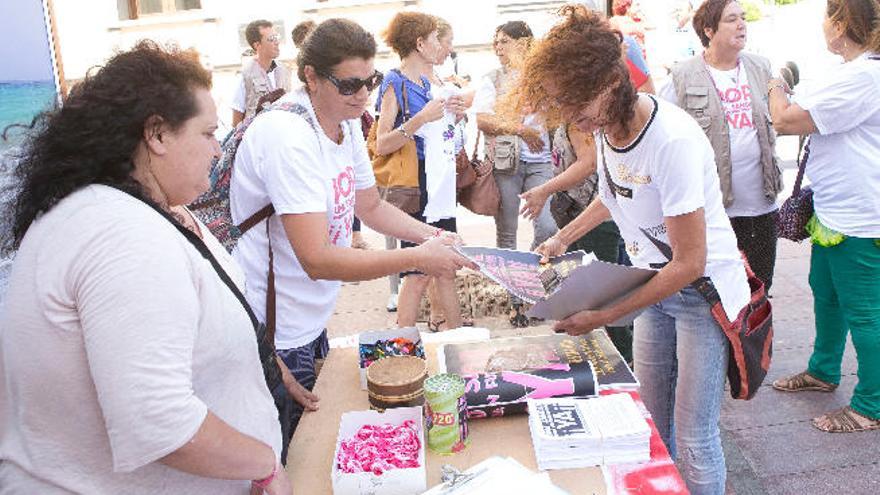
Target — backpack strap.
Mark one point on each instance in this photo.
(267, 211)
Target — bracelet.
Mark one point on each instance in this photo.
(405, 134)
(775, 86)
(263, 483)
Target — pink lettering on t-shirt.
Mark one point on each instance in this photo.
(342, 215)
(737, 104)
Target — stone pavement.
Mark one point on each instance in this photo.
(770, 446)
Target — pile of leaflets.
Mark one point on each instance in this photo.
(570, 433)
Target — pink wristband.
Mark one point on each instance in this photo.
(263, 483)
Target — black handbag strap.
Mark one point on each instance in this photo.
(703, 285)
(615, 189)
(801, 168)
(265, 339)
(203, 249)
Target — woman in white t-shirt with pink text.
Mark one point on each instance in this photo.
(841, 113)
(658, 181)
(721, 89)
(311, 165)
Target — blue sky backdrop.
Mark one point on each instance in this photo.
(24, 42)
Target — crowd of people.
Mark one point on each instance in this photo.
(186, 361)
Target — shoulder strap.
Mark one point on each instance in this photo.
(702, 285)
(615, 189)
(265, 340)
(801, 168)
(269, 210)
(202, 248)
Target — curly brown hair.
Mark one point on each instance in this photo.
(860, 20)
(708, 16)
(93, 137)
(405, 29)
(583, 58)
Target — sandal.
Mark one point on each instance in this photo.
(801, 382)
(518, 316)
(434, 325)
(846, 420)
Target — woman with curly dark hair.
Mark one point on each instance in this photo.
(128, 355)
(657, 180)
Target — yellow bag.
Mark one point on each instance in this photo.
(397, 173)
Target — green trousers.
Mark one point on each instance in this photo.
(846, 298)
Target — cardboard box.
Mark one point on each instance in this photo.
(395, 482)
(369, 338)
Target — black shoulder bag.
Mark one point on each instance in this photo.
(265, 341)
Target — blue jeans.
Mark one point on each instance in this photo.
(681, 362)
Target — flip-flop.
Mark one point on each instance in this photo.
(434, 325)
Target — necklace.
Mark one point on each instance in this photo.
(734, 80)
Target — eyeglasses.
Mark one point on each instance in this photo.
(352, 85)
(273, 38)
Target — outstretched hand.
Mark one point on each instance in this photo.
(535, 199)
(551, 248)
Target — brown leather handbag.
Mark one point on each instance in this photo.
(482, 196)
(397, 173)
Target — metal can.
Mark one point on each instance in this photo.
(445, 414)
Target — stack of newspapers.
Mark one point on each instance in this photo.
(570, 433)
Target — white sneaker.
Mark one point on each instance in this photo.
(392, 304)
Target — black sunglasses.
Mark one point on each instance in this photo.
(352, 85)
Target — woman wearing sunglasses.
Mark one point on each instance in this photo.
(658, 181)
(317, 178)
(414, 37)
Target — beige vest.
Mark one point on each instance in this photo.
(697, 96)
(257, 83)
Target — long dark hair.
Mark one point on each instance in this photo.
(93, 137)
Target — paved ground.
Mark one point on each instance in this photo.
(771, 447)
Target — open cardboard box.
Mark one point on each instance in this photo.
(410, 333)
(395, 482)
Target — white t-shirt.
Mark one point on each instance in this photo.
(439, 138)
(747, 174)
(484, 102)
(239, 98)
(668, 171)
(118, 338)
(282, 161)
(844, 162)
